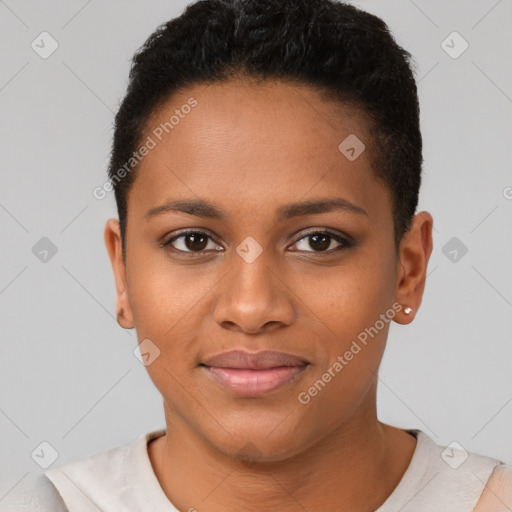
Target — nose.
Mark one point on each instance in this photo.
(253, 298)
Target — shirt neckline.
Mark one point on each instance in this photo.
(141, 477)
(409, 484)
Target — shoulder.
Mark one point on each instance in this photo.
(90, 480)
(104, 480)
(447, 478)
(41, 496)
(497, 494)
(457, 470)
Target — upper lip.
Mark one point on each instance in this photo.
(254, 360)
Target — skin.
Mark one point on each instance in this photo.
(252, 148)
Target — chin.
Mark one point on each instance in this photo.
(259, 446)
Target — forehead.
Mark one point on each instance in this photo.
(255, 144)
(245, 114)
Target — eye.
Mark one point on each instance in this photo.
(191, 242)
(322, 241)
(200, 242)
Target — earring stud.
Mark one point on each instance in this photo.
(407, 310)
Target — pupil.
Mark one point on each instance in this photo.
(322, 245)
(192, 245)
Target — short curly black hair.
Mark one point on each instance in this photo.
(338, 49)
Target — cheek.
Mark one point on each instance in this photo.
(337, 389)
(347, 299)
(165, 297)
(165, 304)
(349, 305)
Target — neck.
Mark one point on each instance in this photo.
(355, 467)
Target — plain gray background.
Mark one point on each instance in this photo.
(68, 375)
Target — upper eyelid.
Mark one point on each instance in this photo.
(188, 231)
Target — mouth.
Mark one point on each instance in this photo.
(254, 374)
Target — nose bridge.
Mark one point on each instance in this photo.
(252, 274)
(252, 294)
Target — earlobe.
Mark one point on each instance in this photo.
(113, 243)
(414, 253)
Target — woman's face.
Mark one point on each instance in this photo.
(260, 273)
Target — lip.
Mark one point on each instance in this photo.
(254, 373)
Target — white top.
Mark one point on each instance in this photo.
(122, 480)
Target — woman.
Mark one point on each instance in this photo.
(267, 164)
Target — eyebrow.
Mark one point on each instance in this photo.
(203, 208)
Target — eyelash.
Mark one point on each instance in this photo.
(345, 242)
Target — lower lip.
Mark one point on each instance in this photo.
(245, 382)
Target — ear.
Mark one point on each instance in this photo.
(112, 237)
(414, 253)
